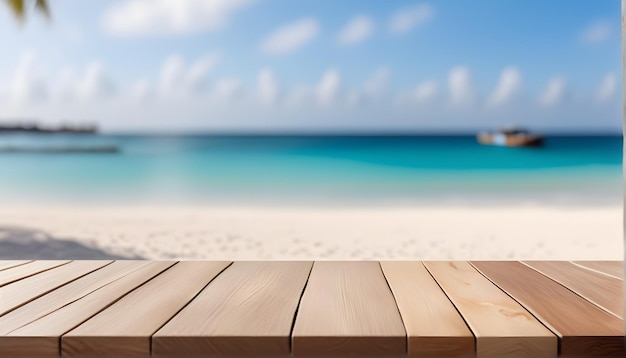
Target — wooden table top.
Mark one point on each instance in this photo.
(321, 308)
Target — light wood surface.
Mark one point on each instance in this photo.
(20, 272)
(502, 326)
(23, 291)
(6, 264)
(66, 295)
(248, 309)
(43, 336)
(322, 309)
(613, 268)
(584, 328)
(125, 328)
(348, 308)
(604, 291)
(434, 327)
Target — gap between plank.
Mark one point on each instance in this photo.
(574, 292)
(189, 302)
(295, 314)
(406, 334)
(545, 324)
(453, 305)
(81, 297)
(113, 302)
(33, 274)
(594, 270)
(45, 293)
(22, 264)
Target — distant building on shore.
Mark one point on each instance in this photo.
(32, 127)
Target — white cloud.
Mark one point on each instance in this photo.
(158, 17)
(290, 37)
(426, 92)
(28, 83)
(597, 32)
(373, 90)
(406, 20)
(356, 31)
(607, 89)
(95, 84)
(228, 89)
(66, 88)
(377, 84)
(268, 89)
(176, 79)
(197, 74)
(461, 88)
(142, 91)
(354, 98)
(554, 92)
(327, 90)
(509, 85)
(172, 74)
(299, 96)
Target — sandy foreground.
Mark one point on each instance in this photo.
(441, 233)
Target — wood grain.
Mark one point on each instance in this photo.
(42, 337)
(126, 326)
(21, 292)
(66, 294)
(348, 308)
(612, 268)
(248, 309)
(584, 328)
(502, 326)
(20, 272)
(434, 327)
(604, 291)
(7, 264)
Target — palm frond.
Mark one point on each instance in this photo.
(42, 7)
(17, 7)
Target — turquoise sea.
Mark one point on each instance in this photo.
(310, 170)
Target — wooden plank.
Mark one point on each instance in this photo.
(348, 308)
(28, 289)
(125, 328)
(21, 272)
(7, 264)
(248, 309)
(583, 328)
(612, 268)
(502, 326)
(43, 336)
(434, 327)
(604, 291)
(66, 295)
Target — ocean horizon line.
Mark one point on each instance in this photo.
(209, 133)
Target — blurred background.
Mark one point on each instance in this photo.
(275, 129)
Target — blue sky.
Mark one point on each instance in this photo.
(186, 65)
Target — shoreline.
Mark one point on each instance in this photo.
(602, 199)
(459, 232)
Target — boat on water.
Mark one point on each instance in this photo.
(512, 137)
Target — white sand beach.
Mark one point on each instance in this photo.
(429, 233)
